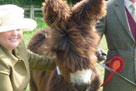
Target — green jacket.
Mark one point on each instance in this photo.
(15, 71)
(120, 42)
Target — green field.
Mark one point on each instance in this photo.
(41, 25)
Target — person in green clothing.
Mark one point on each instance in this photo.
(16, 60)
(119, 28)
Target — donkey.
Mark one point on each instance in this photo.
(73, 41)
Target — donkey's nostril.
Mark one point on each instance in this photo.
(81, 87)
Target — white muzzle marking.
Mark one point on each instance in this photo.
(81, 77)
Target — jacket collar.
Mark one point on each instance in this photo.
(119, 8)
(5, 53)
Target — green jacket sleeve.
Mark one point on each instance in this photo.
(38, 62)
(101, 26)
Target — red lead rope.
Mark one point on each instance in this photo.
(116, 64)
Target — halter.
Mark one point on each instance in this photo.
(58, 70)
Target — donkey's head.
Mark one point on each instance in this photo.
(74, 40)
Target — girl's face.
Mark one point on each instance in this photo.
(11, 39)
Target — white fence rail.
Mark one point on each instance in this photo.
(32, 9)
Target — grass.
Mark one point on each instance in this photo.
(41, 25)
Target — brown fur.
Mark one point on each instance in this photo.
(72, 40)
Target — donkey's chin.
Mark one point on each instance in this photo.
(81, 79)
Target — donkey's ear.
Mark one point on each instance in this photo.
(55, 12)
(89, 10)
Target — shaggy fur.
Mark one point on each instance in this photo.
(72, 40)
